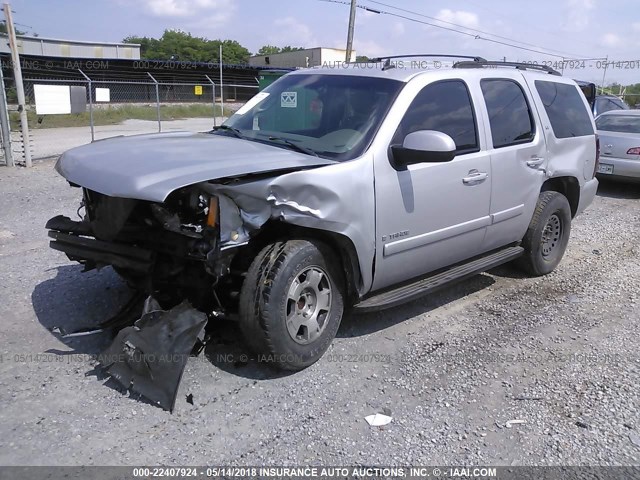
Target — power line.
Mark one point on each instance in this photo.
(472, 29)
(472, 35)
(20, 24)
(363, 7)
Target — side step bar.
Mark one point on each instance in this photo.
(405, 293)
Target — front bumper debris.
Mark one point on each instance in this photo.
(150, 356)
(73, 239)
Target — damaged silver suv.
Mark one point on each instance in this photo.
(363, 186)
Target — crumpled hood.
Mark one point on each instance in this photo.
(150, 167)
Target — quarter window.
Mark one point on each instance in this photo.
(445, 107)
(509, 114)
(567, 111)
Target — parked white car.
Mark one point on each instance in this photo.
(619, 134)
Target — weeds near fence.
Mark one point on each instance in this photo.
(117, 114)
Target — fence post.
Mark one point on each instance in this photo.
(157, 101)
(213, 87)
(90, 104)
(221, 86)
(6, 127)
(17, 78)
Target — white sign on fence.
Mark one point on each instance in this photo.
(52, 99)
(103, 95)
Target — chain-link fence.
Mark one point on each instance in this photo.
(125, 107)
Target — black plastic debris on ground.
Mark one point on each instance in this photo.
(126, 316)
(150, 356)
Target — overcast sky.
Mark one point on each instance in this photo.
(573, 28)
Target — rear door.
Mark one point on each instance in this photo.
(518, 157)
(568, 126)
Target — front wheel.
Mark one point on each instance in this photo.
(547, 236)
(291, 303)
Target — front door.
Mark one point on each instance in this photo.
(431, 215)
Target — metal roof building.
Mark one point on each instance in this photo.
(309, 57)
(56, 47)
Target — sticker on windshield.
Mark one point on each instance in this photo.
(256, 99)
(289, 99)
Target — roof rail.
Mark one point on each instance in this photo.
(441, 55)
(520, 66)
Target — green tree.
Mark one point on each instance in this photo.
(3, 29)
(232, 51)
(179, 45)
(632, 94)
(289, 48)
(268, 50)
(271, 49)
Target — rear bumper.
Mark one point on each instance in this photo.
(587, 194)
(622, 167)
(73, 239)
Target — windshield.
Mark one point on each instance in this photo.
(332, 116)
(619, 123)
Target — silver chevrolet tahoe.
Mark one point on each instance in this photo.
(361, 186)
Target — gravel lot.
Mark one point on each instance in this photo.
(560, 353)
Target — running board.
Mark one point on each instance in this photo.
(409, 292)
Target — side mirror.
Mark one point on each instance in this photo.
(423, 146)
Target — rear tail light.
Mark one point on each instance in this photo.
(595, 166)
(634, 151)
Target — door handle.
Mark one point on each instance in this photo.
(475, 177)
(535, 162)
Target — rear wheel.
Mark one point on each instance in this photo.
(291, 303)
(548, 234)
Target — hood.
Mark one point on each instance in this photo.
(150, 167)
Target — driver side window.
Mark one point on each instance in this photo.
(446, 107)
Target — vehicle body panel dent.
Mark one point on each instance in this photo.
(337, 198)
(150, 167)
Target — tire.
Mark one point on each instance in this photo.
(290, 288)
(547, 236)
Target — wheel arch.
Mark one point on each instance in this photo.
(275, 230)
(567, 186)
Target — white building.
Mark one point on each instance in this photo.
(310, 57)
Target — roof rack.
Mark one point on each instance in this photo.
(520, 66)
(441, 55)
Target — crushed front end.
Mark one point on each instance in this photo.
(170, 250)
(170, 253)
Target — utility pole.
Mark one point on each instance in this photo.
(17, 77)
(352, 21)
(604, 73)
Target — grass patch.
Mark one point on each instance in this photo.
(115, 115)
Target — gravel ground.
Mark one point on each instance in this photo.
(559, 353)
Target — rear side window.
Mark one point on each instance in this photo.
(619, 123)
(607, 104)
(619, 103)
(509, 114)
(446, 107)
(566, 110)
